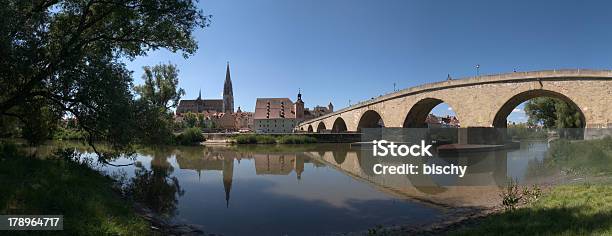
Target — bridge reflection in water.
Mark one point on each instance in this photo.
(486, 172)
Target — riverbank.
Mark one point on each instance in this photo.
(282, 138)
(58, 185)
(579, 209)
(573, 209)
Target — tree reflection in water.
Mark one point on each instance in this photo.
(155, 188)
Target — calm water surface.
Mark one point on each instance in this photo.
(311, 190)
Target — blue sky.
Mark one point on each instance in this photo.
(341, 50)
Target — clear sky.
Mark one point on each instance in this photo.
(341, 50)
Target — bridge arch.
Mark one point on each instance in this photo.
(370, 119)
(339, 126)
(310, 130)
(500, 120)
(418, 113)
(321, 127)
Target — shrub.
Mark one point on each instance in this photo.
(246, 139)
(268, 139)
(296, 139)
(190, 136)
(255, 139)
(531, 195)
(511, 195)
(265, 139)
(69, 134)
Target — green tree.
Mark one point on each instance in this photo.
(38, 121)
(190, 119)
(154, 125)
(201, 121)
(553, 113)
(68, 55)
(568, 116)
(160, 86)
(157, 95)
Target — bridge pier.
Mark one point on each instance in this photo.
(597, 131)
(482, 135)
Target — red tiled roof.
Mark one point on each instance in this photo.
(274, 108)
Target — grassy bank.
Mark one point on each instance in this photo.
(268, 139)
(587, 157)
(582, 209)
(579, 209)
(59, 185)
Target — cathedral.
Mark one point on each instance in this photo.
(199, 105)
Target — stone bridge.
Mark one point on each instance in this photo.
(481, 101)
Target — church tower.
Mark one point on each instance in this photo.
(228, 94)
(298, 107)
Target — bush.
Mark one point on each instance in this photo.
(531, 195)
(265, 139)
(190, 136)
(246, 139)
(69, 134)
(511, 195)
(255, 139)
(268, 139)
(296, 139)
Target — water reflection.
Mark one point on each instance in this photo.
(268, 192)
(316, 189)
(154, 186)
(199, 160)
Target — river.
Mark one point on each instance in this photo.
(314, 189)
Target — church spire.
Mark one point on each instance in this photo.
(228, 93)
(227, 73)
(200, 95)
